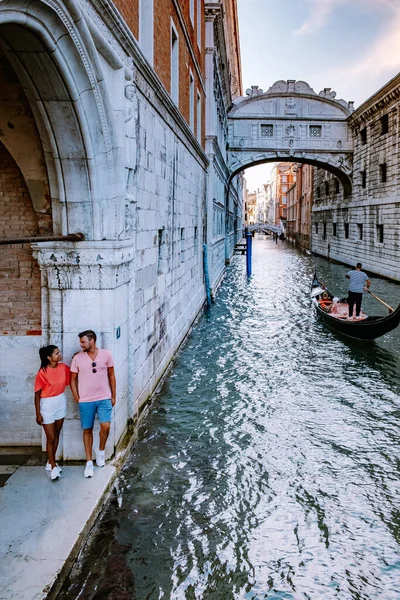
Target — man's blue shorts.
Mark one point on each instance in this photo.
(87, 411)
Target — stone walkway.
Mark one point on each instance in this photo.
(43, 523)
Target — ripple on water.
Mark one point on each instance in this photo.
(269, 463)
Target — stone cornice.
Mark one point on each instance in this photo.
(109, 14)
(388, 94)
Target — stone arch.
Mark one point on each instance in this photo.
(291, 123)
(51, 51)
(338, 167)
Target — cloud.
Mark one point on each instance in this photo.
(321, 10)
(320, 13)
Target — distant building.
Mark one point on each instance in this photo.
(282, 178)
(299, 206)
(251, 208)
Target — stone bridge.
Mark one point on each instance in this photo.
(291, 123)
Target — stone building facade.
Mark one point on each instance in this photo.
(365, 226)
(283, 176)
(299, 206)
(104, 118)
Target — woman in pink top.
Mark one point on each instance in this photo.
(50, 401)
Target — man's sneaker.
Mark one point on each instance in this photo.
(55, 473)
(100, 458)
(48, 467)
(89, 470)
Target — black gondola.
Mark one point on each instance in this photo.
(334, 312)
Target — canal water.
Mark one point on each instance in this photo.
(269, 464)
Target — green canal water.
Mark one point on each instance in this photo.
(269, 464)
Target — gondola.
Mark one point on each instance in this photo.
(334, 313)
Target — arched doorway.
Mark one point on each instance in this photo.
(58, 143)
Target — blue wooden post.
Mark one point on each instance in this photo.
(248, 253)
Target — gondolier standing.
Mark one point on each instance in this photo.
(358, 279)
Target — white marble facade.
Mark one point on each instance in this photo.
(124, 169)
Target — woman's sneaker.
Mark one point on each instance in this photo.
(89, 470)
(55, 473)
(100, 458)
(48, 467)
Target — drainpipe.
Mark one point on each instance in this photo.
(71, 237)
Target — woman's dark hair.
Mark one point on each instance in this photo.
(45, 354)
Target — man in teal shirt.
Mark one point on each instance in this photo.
(358, 280)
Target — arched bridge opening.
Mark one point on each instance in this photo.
(291, 123)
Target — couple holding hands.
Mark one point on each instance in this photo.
(93, 385)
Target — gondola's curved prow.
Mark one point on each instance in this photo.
(368, 328)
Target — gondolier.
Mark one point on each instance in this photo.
(333, 311)
(358, 280)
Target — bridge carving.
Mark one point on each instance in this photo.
(291, 122)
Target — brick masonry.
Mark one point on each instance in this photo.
(20, 291)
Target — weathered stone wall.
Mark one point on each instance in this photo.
(365, 227)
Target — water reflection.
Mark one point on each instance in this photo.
(268, 467)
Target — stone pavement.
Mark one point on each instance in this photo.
(43, 523)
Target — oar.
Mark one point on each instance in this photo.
(381, 301)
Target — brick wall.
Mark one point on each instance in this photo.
(129, 9)
(20, 290)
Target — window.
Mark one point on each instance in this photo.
(383, 173)
(360, 231)
(315, 131)
(384, 121)
(196, 240)
(284, 178)
(146, 29)
(191, 10)
(326, 188)
(334, 230)
(283, 199)
(199, 116)
(363, 136)
(346, 231)
(337, 186)
(174, 65)
(324, 231)
(191, 101)
(284, 188)
(267, 131)
(316, 228)
(379, 234)
(318, 192)
(199, 23)
(363, 179)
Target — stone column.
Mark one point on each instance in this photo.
(86, 286)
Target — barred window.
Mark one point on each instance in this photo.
(315, 131)
(267, 131)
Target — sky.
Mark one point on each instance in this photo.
(351, 46)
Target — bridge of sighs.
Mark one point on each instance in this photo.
(291, 123)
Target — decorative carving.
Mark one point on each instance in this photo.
(290, 87)
(131, 120)
(327, 93)
(254, 91)
(290, 130)
(92, 265)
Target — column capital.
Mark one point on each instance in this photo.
(85, 265)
